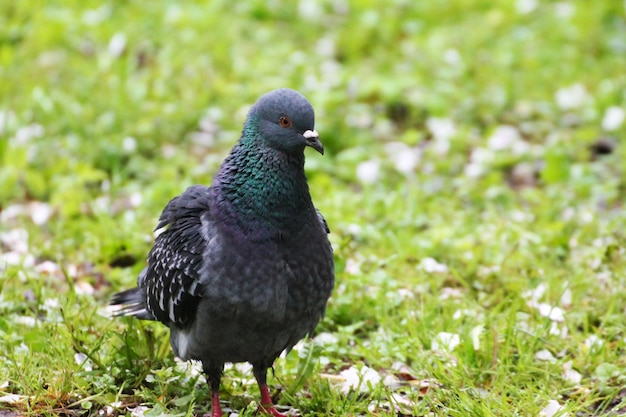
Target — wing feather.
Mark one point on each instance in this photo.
(172, 278)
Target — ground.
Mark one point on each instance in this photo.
(474, 183)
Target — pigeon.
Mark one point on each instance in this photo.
(242, 270)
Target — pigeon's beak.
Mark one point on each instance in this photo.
(313, 140)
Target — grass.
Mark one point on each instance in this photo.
(473, 181)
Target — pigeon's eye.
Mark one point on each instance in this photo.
(285, 121)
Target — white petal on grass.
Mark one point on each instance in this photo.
(482, 156)
(552, 409)
(613, 118)
(404, 293)
(7, 118)
(504, 137)
(135, 199)
(450, 293)
(25, 133)
(536, 293)
(12, 398)
(546, 310)
(51, 304)
(325, 46)
(16, 240)
(27, 321)
(445, 342)
(129, 144)
(403, 156)
(138, 411)
(360, 117)
(402, 404)
(442, 130)
(593, 342)
(355, 229)
(473, 170)
(84, 288)
(368, 172)
(353, 267)
(526, 6)
(480, 159)
(572, 97)
(16, 259)
(191, 368)
(475, 334)
(117, 44)
(325, 338)
(464, 312)
(557, 330)
(48, 268)
(71, 270)
(545, 355)
(82, 360)
(566, 298)
(571, 375)
(11, 212)
(310, 10)
(392, 381)
(94, 17)
(564, 10)
(486, 270)
(432, 266)
(452, 57)
(360, 379)
(39, 212)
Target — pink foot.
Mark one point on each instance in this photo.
(216, 410)
(266, 402)
(272, 411)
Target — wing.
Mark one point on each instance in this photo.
(323, 221)
(171, 279)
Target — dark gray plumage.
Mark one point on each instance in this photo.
(242, 270)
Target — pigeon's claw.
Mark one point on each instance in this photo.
(272, 411)
(266, 402)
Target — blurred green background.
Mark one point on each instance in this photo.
(474, 183)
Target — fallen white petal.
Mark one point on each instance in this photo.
(571, 375)
(475, 334)
(571, 97)
(368, 172)
(12, 398)
(117, 44)
(431, 265)
(27, 321)
(552, 409)
(593, 341)
(325, 339)
(441, 128)
(359, 378)
(544, 355)
(40, 212)
(526, 6)
(445, 341)
(138, 411)
(566, 298)
(613, 118)
(16, 240)
(504, 137)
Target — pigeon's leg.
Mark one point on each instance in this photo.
(260, 373)
(213, 376)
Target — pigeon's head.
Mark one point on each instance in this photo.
(285, 121)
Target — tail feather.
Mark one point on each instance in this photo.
(130, 303)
